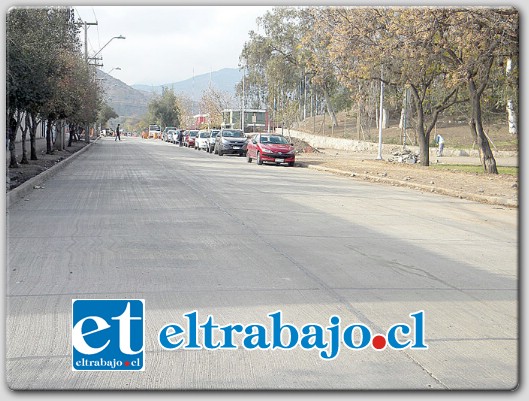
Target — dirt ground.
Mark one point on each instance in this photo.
(501, 189)
(16, 176)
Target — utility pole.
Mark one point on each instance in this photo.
(86, 25)
(381, 114)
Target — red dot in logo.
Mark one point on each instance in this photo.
(127, 363)
(379, 342)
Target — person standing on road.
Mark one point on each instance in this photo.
(440, 140)
(118, 136)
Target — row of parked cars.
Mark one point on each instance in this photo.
(261, 147)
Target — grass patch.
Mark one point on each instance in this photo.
(472, 168)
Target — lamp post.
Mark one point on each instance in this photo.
(381, 116)
(106, 44)
(115, 68)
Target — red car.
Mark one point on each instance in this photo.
(189, 138)
(271, 148)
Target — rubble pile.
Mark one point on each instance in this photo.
(404, 156)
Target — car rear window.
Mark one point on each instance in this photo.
(233, 134)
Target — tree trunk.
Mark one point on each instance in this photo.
(71, 130)
(423, 135)
(32, 136)
(24, 159)
(330, 109)
(476, 126)
(59, 139)
(359, 120)
(49, 124)
(12, 134)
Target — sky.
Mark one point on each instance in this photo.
(165, 44)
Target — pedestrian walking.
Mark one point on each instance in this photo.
(440, 140)
(118, 134)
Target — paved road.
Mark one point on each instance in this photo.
(186, 230)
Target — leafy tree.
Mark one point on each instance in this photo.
(398, 47)
(272, 65)
(46, 75)
(164, 109)
(106, 113)
(477, 41)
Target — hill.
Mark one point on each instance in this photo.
(224, 80)
(125, 100)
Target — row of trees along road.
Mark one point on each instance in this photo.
(445, 57)
(48, 79)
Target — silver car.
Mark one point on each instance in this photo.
(211, 140)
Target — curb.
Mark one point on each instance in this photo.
(492, 200)
(16, 194)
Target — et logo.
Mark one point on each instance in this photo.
(108, 334)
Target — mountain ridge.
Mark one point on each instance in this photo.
(224, 79)
(133, 100)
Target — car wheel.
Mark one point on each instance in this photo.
(291, 164)
(259, 161)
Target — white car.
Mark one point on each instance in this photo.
(202, 139)
(211, 140)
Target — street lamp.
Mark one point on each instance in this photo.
(115, 68)
(111, 39)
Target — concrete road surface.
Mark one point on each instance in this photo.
(189, 231)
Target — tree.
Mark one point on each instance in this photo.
(164, 109)
(273, 71)
(213, 101)
(399, 47)
(46, 75)
(106, 113)
(476, 42)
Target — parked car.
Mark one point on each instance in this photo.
(211, 140)
(202, 139)
(165, 133)
(230, 141)
(171, 134)
(178, 137)
(189, 138)
(271, 148)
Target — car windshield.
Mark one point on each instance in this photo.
(193, 133)
(214, 134)
(274, 139)
(233, 134)
(204, 134)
